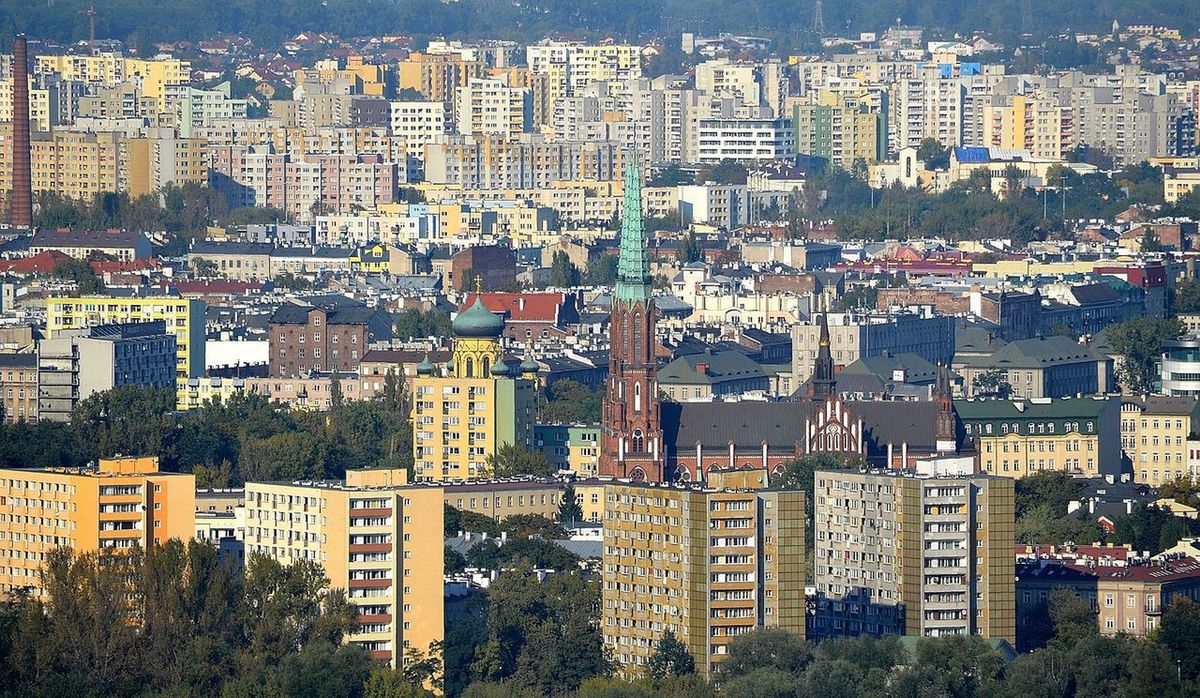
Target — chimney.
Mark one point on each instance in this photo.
(702, 368)
(22, 184)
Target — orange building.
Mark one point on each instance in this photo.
(122, 503)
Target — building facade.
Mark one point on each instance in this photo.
(706, 565)
(184, 318)
(914, 553)
(113, 507)
(375, 537)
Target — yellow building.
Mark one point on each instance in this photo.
(1037, 125)
(500, 499)
(570, 447)
(1154, 435)
(1016, 438)
(376, 537)
(1179, 183)
(435, 76)
(151, 75)
(707, 565)
(75, 164)
(151, 163)
(184, 319)
(120, 504)
(462, 418)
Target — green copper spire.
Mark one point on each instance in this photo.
(633, 266)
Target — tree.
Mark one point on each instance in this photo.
(204, 268)
(765, 648)
(512, 459)
(1187, 296)
(602, 271)
(528, 525)
(572, 402)
(1150, 242)
(414, 323)
(1139, 343)
(861, 296)
(724, 172)
(670, 658)
(670, 176)
(569, 509)
(992, 383)
(1180, 632)
(935, 155)
(689, 251)
(563, 272)
(87, 282)
(336, 398)
(388, 683)
(287, 281)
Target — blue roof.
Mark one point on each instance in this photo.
(971, 154)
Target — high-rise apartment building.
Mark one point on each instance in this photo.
(493, 107)
(572, 67)
(76, 364)
(377, 538)
(707, 565)
(928, 552)
(116, 505)
(842, 128)
(184, 318)
(461, 419)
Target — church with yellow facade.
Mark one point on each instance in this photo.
(480, 404)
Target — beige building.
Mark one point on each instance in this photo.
(1154, 436)
(488, 106)
(377, 538)
(500, 499)
(914, 553)
(707, 565)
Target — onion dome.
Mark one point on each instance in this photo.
(500, 369)
(425, 368)
(529, 365)
(478, 321)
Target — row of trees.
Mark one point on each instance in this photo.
(224, 442)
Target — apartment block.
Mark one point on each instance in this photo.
(377, 538)
(573, 447)
(183, 317)
(854, 336)
(841, 128)
(1015, 438)
(493, 107)
(418, 124)
(117, 505)
(745, 139)
(435, 76)
(77, 364)
(18, 387)
(528, 162)
(708, 565)
(925, 552)
(572, 67)
(1154, 437)
(484, 403)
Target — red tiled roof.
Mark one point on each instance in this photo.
(114, 266)
(520, 307)
(41, 263)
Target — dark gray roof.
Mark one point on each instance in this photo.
(781, 424)
(917, 369)
(722, 366)
(1095, 293)
(1039, 352)
(18, 360)
(297, 314)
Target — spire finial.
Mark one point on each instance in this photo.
(478, 284)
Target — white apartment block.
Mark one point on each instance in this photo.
(418, 123)
(491, 107)
(745, 139)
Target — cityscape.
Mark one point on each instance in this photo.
(408, 348)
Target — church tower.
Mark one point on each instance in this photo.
(946, 430)
(824, 382)
(631, 443)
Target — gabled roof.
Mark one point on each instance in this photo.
(1039, 352)
(103, 239)
(520, 307)
(722, 366)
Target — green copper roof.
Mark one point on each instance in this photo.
(478, 321)
(633, 265)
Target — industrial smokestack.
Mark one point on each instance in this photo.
(22, 184)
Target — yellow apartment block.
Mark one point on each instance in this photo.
(707, 565)
(77, 165)
(375, 536)
(500, 499)
(184, 319)
(1154, 435)
(151, 75)
(120, 504)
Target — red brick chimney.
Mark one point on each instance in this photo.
(22, 184)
